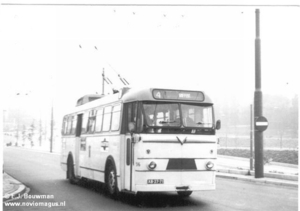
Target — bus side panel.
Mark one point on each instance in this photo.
(96, 160)
(68, 146)
(122, 163)
(94, 155)
(63, 155)
(114, 152)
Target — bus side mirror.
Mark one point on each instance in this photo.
(131, 127)
(218, 125)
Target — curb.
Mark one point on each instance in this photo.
(266, 174)
(16, 194)
(280, 176)
(258, 180)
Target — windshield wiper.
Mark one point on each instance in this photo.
(165, 122)
(199, 123)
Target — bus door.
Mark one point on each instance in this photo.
(129, 163)
(77, 144)
(131, 114)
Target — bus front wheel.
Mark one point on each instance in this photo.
(184, 193)
(111, 181)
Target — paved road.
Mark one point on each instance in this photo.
(41, 172)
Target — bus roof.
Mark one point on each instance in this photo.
(146, 94)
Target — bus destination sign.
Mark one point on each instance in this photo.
(162, 94)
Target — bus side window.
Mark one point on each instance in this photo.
(140, 119)
(65, 125)
(69, 127)
(91, 121)
(99, 119)
(107, 118)
(131, 114)
(84, 123)
(74, 123)
(116, 117)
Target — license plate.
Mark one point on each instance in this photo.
(155, 181)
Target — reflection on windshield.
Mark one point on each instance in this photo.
(177, 115)
(162, 114)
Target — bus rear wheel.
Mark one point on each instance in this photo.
(111, 181)
(70, 172)
(184, 193)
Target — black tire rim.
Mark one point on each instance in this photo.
(111, 181)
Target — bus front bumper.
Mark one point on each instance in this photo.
(175, 181)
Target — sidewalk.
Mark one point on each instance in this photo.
(12, 188)
(274, 173)
(227, 167)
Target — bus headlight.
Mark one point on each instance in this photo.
(209, 165)
(152, 165)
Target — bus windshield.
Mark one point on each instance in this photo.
(180, 115)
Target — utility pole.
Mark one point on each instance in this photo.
(258, 135)
(251, 138)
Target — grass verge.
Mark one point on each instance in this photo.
(281, 156)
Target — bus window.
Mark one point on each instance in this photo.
(197, 116)
(84, 123)
(131, 114)
(91, 121)
(69, 127)
(161, 114)
(207, 116)
(99, 119)
(140, 120)
(107, 118)
(116, 117)
(74, 123)
(65, 125)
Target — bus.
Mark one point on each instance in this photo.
(142, 140)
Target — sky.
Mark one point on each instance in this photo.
(57, 53)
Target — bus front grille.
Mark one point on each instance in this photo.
(181, 164)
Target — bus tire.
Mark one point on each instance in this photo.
(70, 172)
(184, 193)
(111, 181)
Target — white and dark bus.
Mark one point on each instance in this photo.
(142, 140)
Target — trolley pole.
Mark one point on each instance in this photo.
(103, 82)
(258, 135)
